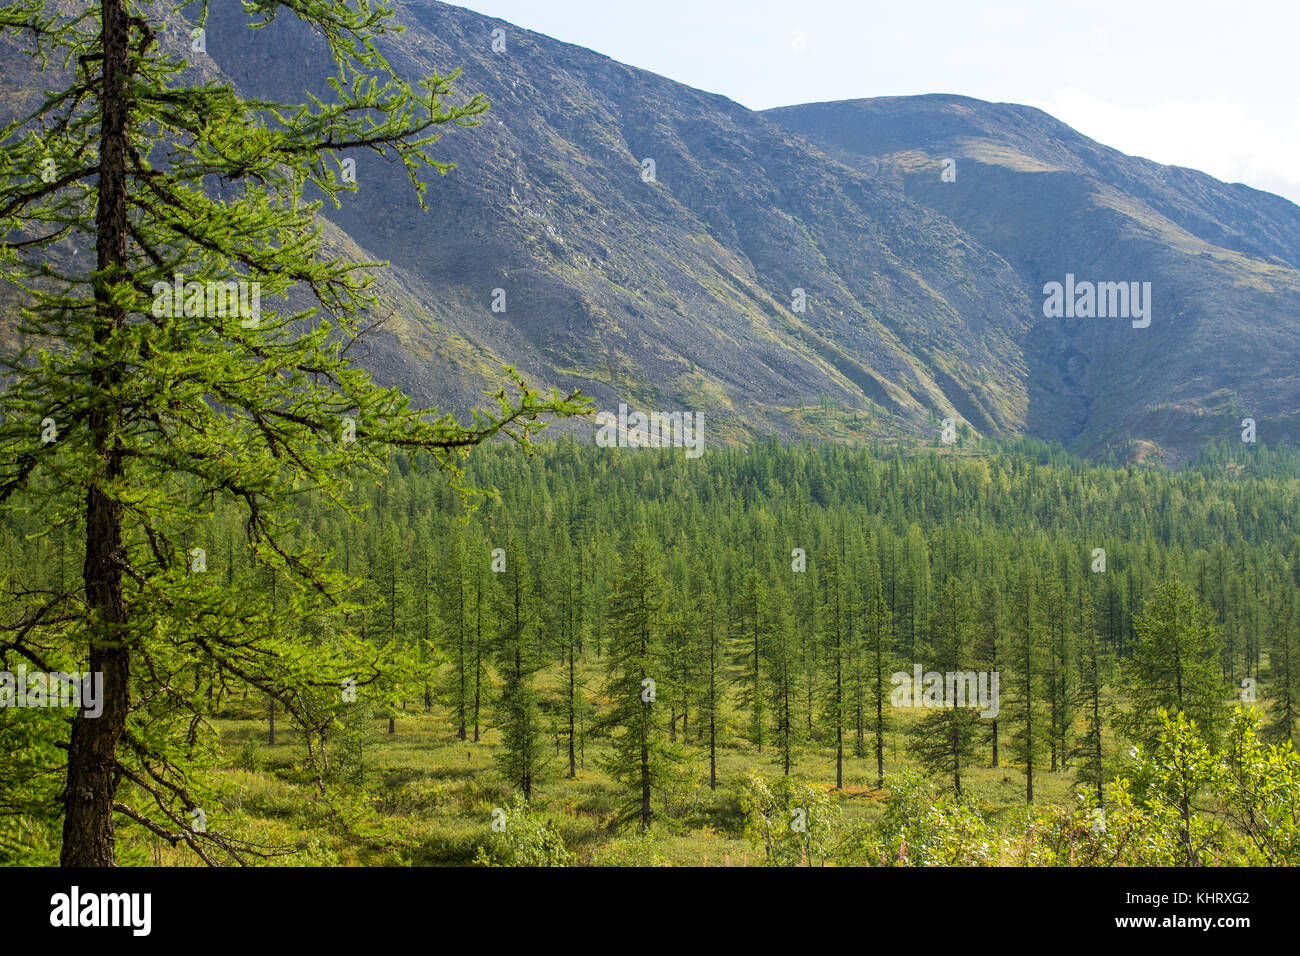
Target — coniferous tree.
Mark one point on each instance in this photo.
(748, 655)
(806, 610)
(943, 740)
(990, 649)
(570, 626)
(1025, 655)
(1057, 676)
(833, 656)
(517, 663)
(639, 756)
(782, 663)
(711, 670)
(1175, 666)
(459, 638)
(1283, 685)
(1088, 749)
(879, 649)
(164, 406)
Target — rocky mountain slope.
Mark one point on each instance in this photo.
(805, 271)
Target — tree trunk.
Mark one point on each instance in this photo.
(573, 764)
(713, 707)
(88, 833)
(785, 727)
(460, 645)
(758, 714)
(880, 705)
(839, 715)
(645, 782)
(478, 650)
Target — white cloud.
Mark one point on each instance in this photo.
(1217, 135)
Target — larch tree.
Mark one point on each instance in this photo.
(832, 621)
(780, 653)
(748, 653)
(517, 702)
(185, 337)
(943, 740)
(640, 757)
(1283, 684)
(1175, 667)
(1092, 680)
(878, 630)
(1024, 657)
(990, 646)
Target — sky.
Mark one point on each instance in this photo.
(1210, 84)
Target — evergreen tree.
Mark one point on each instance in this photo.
(1057, 676)
(990, 649)
(748, 655)
(1088, 748)
(517, 663)
(879, 648)
(833, 656)
(1025, 663)
(639, 756)
(1283, 685)
(711, 672)
(458, 633)
(943, 740)
(165, 403)
(1175, 667)
(780, 653)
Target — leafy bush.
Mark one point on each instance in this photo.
(524, 840)
(922, 829)
(1173, 807)
(794, 824)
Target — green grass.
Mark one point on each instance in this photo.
(423, 797)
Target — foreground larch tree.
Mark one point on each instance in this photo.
(1092, 679)
(877, 626)
(779, 653)
(832, 619)
(130, 410)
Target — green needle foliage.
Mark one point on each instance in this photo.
(129, 412)
(640, 757)
(1175, 667)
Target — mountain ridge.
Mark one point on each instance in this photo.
(922, 298)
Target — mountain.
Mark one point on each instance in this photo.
(675, 293)
(1222, 261)
(923, 299)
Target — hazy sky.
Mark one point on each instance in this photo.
(1210, 84)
